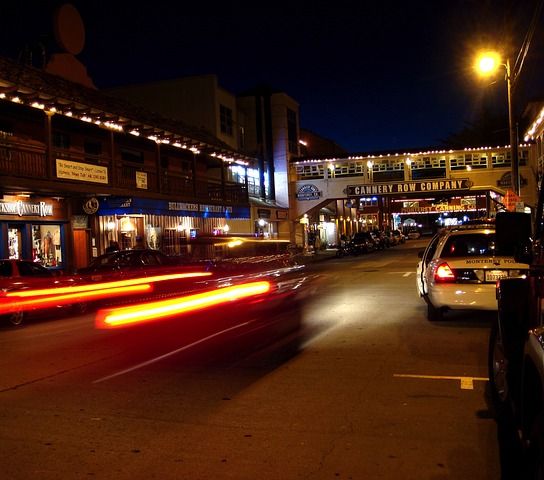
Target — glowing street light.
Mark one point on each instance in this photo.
(487, 63)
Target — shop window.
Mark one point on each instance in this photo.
(15, 243)
(46, 245)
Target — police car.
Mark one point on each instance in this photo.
(460, 268)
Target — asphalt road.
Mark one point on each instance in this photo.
(359, 386)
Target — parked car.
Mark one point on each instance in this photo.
(516, 344)
(128, 263)
(362, 242)
(399, 236)
(459, 270)
(414, 233)
(208, 253)
(24, 275)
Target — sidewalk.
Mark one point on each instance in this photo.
(316, 257)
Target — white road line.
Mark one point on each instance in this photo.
(169, 354)
(404, 274)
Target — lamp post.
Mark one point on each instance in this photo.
(487, 64)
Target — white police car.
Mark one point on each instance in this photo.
(460, 268)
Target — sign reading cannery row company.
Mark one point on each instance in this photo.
(409, 187)
(20, 208)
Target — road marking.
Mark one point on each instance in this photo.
(466, 383)
(404, 274)
(169, 354)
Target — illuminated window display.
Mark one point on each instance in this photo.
(46, 245)
(14, 243)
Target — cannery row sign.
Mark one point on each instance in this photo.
(408, 187)
(20, 208)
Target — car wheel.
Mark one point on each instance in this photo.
(498, 370)
(434, 314)
(15, 318)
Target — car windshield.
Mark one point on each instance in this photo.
(469, 245)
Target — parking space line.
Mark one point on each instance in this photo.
(466, 383)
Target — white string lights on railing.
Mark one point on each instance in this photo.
(384, 157)
(532, 129)
(113, 126)
(67, 110)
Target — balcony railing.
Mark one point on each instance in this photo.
(28, 161)
(22, 160)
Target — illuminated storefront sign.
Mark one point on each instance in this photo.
(140, 206)
(191, 207)
(439, 209)
(308, 192)
(215, 209)
(83, 172)
(20, 208)
(408, 187)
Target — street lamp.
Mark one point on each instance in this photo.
(487, 64)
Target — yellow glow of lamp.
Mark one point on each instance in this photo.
(487, 63)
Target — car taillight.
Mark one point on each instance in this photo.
(443, 273)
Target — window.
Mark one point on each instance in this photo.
(292, 131)
(92, 148)
(134, 156)
(225, 116)
(472, 245)
(61, 140)
(242, 138)
(6, 128)
(472, 160)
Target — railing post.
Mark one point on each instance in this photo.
(50, 167)
(113, 165)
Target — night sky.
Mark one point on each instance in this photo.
(372, 76)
